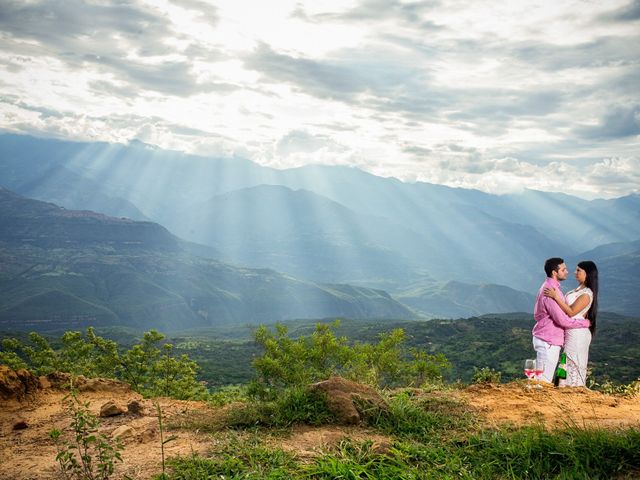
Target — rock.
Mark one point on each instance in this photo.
(16, 384)
(342, 395)
(29, 380)
(110, 409)
(381, 447)
(148, 435)
(102, 385)
(135, 407)
(123, 432)
(59, 380)
(20, 425)
(44, 382)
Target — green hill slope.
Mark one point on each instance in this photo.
(65, 268)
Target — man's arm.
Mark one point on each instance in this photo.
(560, 318)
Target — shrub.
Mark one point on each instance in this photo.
(485, 375)
(292, 405)
(89, 455)
(148, 367)
(288, 362)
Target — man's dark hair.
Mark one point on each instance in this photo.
(551, 265)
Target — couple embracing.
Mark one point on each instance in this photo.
(565, 322)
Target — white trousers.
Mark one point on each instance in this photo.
(546, 355)
(576, 346)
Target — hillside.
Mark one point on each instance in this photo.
(302, 234)
(198, 431)
(619, 275)
(74, 269)
(500, 342)
(463, 300)
(395, 231)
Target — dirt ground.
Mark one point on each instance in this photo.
(30, 454)
(521, 403)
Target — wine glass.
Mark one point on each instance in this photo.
(538, 370)
(530, 367)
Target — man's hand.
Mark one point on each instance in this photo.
(551, 293)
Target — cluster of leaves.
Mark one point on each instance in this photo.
(88, 455)
(290, 361)
(631, 389)
(150, 367)
(485, 375)
(247, 459)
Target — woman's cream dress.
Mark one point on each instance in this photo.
(576, 343)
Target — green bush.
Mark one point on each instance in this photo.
(485, 375)
(533, 452)
(150, 368)
(88, 455)
(293, 405)
(228, 394)
(421, 418)
(247, 461)
(608, 387)
(289, 362)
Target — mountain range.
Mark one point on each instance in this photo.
(439, 251)
(64, 268)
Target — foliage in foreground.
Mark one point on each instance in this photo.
(432, 437)
(290, 361)
(485, 375)
(88, 455)
(149, 367)
(529, 453)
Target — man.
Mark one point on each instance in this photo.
(551, 321)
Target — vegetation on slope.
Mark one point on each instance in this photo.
(431, 436)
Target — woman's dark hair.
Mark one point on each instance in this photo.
(591, 282)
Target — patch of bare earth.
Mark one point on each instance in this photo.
(308, 442)
(519, 403)
(29, 453)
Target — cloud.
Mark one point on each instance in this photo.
(367, 11)
(205, 10)
(300, 141)
(74, 26)
(620, 122)
(469, 94)
(627, 13)
(607, 51)
(122, 39)
(336, 80)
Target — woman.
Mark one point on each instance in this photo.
(581, 302)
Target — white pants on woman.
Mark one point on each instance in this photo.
(576, 346)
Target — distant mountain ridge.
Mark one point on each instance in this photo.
(70, 269)
(47, 225)
(338, 224)
(463, 300)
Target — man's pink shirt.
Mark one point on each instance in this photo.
(551, 321)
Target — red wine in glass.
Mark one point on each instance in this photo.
(530, 368)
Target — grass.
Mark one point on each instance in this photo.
(421, 418)
(293, 406)
(434, 437)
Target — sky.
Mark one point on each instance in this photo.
(492, 95)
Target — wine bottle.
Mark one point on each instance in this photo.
(561, 371)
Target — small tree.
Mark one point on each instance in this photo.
(9, 354)
(154, 371)
(89, 455)
(289, 362)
